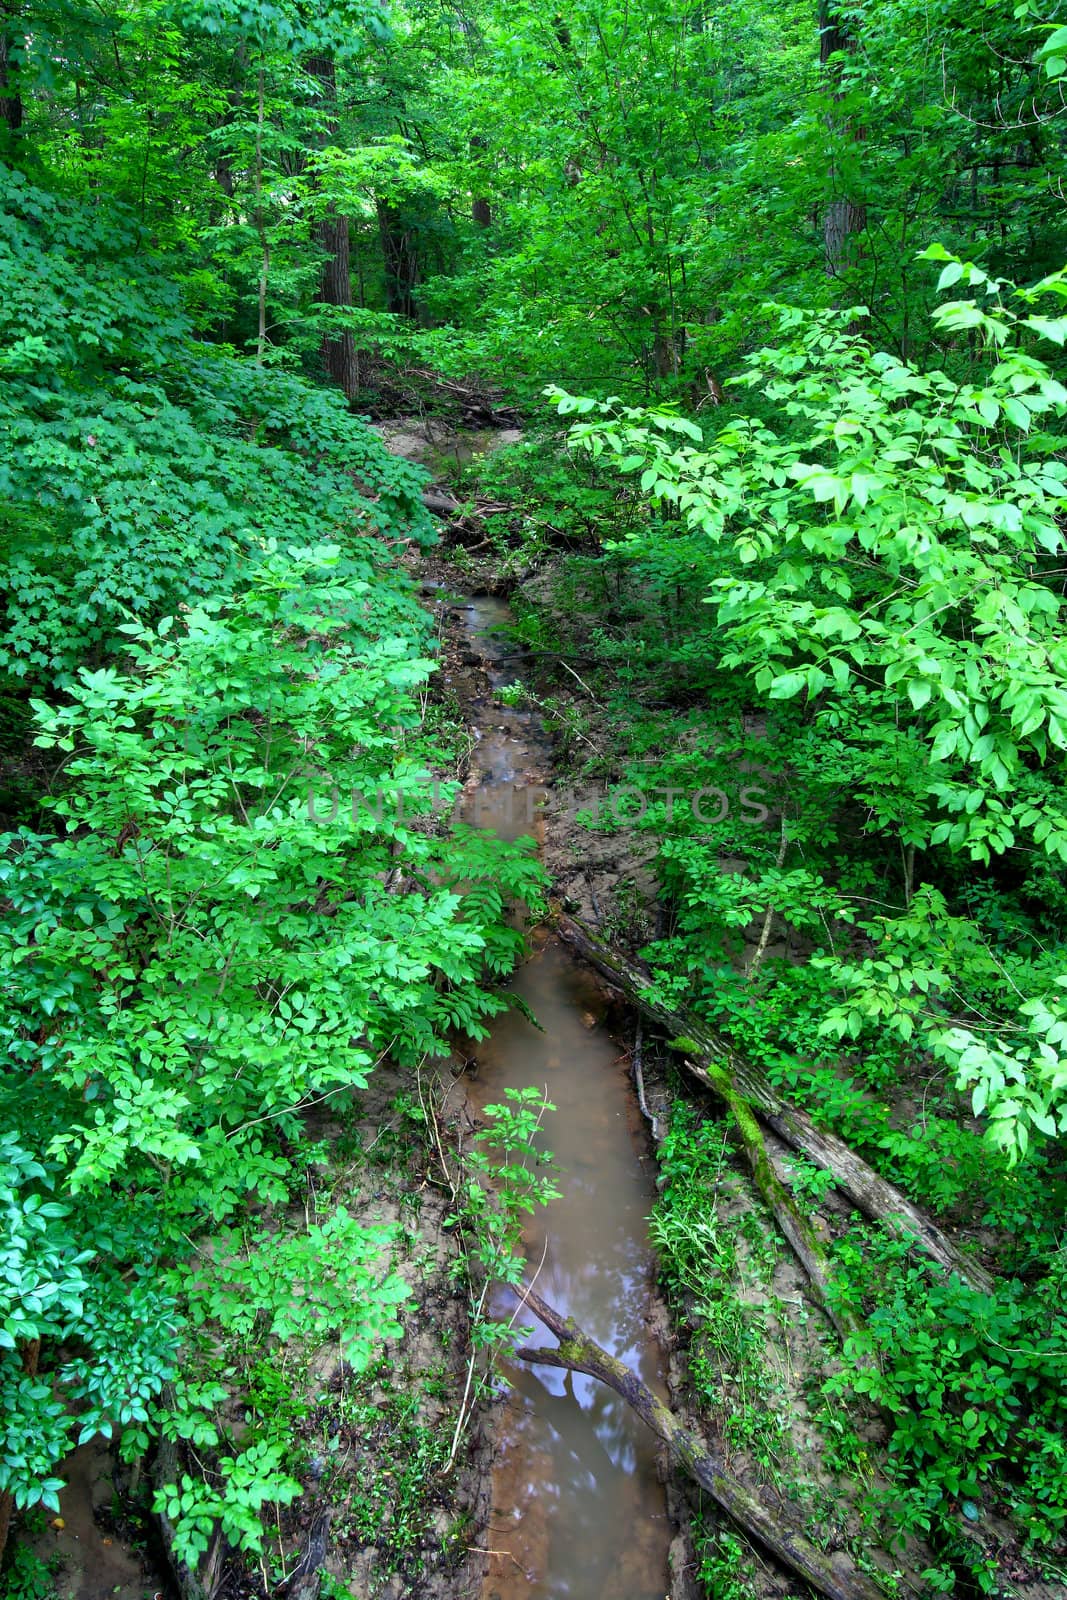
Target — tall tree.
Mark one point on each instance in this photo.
(331, 232)
(400, 254)
(10, 98)
(845, 216)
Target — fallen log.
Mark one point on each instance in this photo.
(203, 1583)
(799, 1230)
(831, 1575)
(305, 1580)
(480, 402)
(440, 502)
(728, 1074)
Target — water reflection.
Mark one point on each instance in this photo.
(579, 1513)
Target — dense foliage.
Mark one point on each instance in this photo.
(795, 276)
(204, 934)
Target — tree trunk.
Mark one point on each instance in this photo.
(203, 1584)
(261, 225)
(10, 98)
(339, 352)
(769, 1524)
(440, 502)
(305, 1581)
(335, 289)
(400, 256)
(481, 211)
(717, 1065)
(7, 1506)
(843, 221)
(801, 1232)
(845, 217)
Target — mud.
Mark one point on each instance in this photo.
(439, 446)
(353, 1461)
(89, 1557)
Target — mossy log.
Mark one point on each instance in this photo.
(800, 1231)
(762, 1517)
(738, 1081)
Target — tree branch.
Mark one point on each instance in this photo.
(831, 1575)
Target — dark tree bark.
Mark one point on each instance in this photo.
(440, 503)
(305, 1581)
(845, 217)
(717, 1065)
(481, 212)
(401, 257)
(761, 1516)
(10, 98)
(339, 352)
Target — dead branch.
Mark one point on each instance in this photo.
(440, 503)
(768, 921)
(733, 1078)
(768, 1523)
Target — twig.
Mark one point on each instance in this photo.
(576, 678)
(765, 936)
(463, 1413)
(480, 1550)
(639, 1080)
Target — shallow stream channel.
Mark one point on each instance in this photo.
(579, 1512)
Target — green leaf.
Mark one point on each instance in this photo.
(1054, 328)
(788, 684)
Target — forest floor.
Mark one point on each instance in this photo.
(400, 1521)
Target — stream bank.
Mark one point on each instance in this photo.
(578, 1506)
(748, 1352)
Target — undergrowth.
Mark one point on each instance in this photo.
(705, 1258)
(875, 943)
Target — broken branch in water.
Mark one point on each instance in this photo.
(831, 1575)
(639, 1079)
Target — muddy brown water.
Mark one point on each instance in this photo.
(579, 1512)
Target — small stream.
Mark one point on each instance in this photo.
(578, 1510)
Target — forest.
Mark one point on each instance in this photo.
(655, 415)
